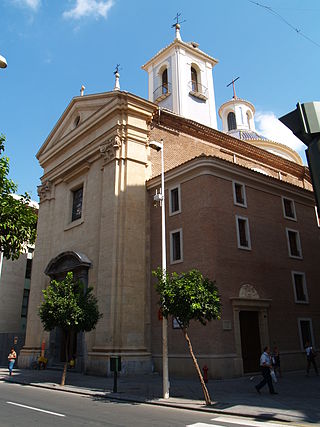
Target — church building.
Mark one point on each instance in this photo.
(239, 208)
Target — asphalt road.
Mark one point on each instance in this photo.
(22, 406)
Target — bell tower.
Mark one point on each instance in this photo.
(180, 80)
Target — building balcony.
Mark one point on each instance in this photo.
(198, 90)
(162, 92)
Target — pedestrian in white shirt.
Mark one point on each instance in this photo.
(266, 366)
(311, 354)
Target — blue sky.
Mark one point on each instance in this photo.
(54, 46)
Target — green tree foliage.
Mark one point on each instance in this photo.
(18, 221)
(187, 297)
(67, 305)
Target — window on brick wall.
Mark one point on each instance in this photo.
(239, 194)
(289, 210)
(243, 233)
(299, 287)
(174, 200)
(294, 244)
(176, 253)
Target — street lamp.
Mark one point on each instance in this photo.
(158, 146)
(3, 62)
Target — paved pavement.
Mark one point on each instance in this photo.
(298, 400)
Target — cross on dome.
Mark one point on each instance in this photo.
(233, 86)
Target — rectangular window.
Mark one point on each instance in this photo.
(294, 244)
(243, 234)
(289, 210)
(174, 200)
(305, 330)
(28, 268)
(239, 194)
(77, 196)
(176, 246)
(299, 287)
(25, 302)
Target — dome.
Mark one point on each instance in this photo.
(237, 117)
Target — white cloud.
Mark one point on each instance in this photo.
(95, 8)
(269, 126)
(32, 4)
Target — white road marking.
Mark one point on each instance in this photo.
(246, 422)
(202, 425)
(36, 409)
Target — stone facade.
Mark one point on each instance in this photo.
(105, 154)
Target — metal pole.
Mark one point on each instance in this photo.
(165, 370)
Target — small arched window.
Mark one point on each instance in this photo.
(232, 124)
(248, 119)
(194, 79)
(164, 81)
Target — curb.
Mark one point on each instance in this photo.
(136, 399)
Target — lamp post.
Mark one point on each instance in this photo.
(161, 198)
(3, 62)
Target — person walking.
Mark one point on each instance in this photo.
(311, 354)
(12, 356)
(266, 365)
(276, 361)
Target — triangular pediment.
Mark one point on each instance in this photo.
(79, 113)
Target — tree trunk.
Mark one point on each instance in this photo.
(204, 388)
(64, 373)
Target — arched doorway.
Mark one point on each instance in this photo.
(57, 269)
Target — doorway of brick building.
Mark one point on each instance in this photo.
(250, 340)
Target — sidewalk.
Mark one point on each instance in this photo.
(298, 400)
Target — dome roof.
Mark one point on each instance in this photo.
(246, 135)
(260, 141)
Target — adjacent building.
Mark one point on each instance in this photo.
(15, 280)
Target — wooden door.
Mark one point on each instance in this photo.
(250, 340)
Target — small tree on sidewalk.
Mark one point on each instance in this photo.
(189, 296)
(68, 306)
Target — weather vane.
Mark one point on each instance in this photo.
(117, 69)
(234, 89)
(177, 18)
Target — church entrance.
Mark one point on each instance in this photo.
(72, 347)
(250, 340)
(57, 269)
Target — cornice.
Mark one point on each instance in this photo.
(179, 43)
(212, 165)
(207, 134)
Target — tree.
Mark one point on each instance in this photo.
(189, 296)
(18, 221)
(67, 305)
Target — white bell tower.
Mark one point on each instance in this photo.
(180, 80)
